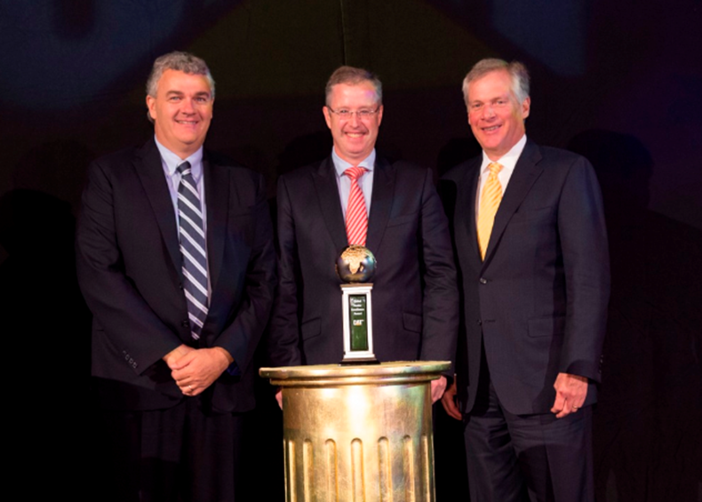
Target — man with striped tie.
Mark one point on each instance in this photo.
(531, 245)
(176, 262)
(356, 196)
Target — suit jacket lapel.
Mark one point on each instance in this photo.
(466, 206)
(525, 174)
(381, 202)
(217, 200)
(330, 206)
(150, 171)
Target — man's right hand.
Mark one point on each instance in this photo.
(448, 400)
(199, 368)
(176, 354)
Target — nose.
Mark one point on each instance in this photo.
(488, 111)
(354, 120)
(188, 106)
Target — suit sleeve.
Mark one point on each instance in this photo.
(241, 337)
(583, 239)
(440, 303)
(283, 344)
(119, 309)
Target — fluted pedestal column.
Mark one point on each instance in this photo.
(358, 433)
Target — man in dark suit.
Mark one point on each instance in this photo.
(391, 208)
(531, 248)
(176, 262)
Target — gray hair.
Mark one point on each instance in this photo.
(516, 70)
(353, 76)
(178, 61)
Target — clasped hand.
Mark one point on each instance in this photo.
(194, 370)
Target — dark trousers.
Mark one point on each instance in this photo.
(177, 454)
(533, 458)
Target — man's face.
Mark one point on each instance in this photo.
(354, 138)
(182, 111)
(494, 114)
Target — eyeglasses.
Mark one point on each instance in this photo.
(345, 114)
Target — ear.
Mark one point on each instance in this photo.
(151, 105)
(526, 106)
(327, 116)
(380, 114)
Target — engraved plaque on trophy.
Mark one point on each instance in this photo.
(356, 266)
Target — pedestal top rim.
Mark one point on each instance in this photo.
(398, 368)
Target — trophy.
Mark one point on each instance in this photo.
(356, 266)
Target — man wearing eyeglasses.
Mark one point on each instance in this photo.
(355, 196)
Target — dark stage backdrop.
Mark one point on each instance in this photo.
(618, 81)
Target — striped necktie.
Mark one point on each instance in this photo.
(356, 214)
(192, 247)
(489, 202)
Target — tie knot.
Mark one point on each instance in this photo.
(355, 172)
(184, 168)
(495, 168)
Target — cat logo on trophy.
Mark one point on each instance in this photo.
(356, 266)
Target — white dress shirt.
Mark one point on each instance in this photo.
(508, 162)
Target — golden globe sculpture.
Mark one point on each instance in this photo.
(356, 267)
(356, 264)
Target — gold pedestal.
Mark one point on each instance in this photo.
(358, 433)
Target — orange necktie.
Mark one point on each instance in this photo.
(356, 214)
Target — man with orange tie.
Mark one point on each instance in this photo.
(357, 197)
(531, 245)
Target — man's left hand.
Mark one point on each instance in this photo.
(198, 369)
(438, 387)
(571, 391)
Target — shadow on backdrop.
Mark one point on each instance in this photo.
(648, 440)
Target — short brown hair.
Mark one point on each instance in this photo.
(353, 76)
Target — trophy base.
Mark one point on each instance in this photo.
(359, 360)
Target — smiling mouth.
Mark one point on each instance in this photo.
(491, 128)
(187, 122)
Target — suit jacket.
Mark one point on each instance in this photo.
(129, 269)
(414, 297)
(538, 301)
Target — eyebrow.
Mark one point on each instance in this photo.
(502, 96)
(181, 93)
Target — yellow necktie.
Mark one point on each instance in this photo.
(489, 202)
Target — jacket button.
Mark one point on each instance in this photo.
(185, 324)
(480, 322)
(483, 280)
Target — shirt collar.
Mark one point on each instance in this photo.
(508, 160)
(340, 165)
(171, 161)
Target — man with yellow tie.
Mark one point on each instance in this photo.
(531, 246)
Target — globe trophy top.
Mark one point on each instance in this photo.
(355, 264)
